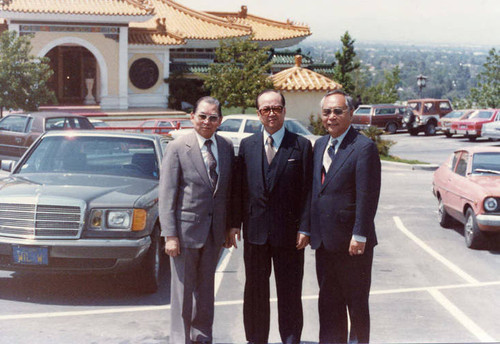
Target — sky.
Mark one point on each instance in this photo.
(448, 22)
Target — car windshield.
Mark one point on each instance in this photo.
(481, 114)
(414, 106)
(118, 156)
(362, 111)
(486, 163)
(297, 127)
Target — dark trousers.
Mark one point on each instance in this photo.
(288, 271)
(344, 286)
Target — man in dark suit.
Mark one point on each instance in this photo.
(345, 193)
(276, 169)
(194, 193)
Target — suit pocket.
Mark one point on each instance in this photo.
(188, 216)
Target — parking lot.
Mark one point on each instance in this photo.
(427, 286)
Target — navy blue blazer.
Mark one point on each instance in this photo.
(346, 202)
(274, 213)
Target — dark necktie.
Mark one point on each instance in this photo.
(331, 150)
(270, 153)
(212, 163)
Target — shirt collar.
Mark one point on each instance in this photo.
(201, 140)
(277, 136)
(339, 138)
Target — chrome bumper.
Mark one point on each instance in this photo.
(489, 221)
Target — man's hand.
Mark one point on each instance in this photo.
(302, 241)
(356, 248)
(233, 234)
(172, 246)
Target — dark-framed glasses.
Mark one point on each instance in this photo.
(335, 111)
(203, 116)
(266, 110)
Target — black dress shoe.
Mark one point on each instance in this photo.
(201, 342)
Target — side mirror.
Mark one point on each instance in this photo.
(7, 165)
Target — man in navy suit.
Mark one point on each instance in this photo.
(345, 193)
(276, 170)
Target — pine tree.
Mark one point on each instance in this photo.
(487, 92)
(346, 64)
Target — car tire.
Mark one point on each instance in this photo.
(413, 131)
(472, 138)
(445, 220)
(474, 238)
(391, 128)
(148, 273)
(430, 129)
(448, 134)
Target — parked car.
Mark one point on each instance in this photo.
(98, 122)
(491, 130)
(237, 127)
(425, 115)
(472, 126)
(165, 125)
(388, 117)
(467, 187)
(84, 201)
(19, 130)
(444, 124)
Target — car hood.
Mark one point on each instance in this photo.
(475, 120)
(92, 189)
(489, 184)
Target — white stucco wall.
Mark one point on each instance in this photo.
(301, 105)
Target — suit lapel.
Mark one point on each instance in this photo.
(319, 148)
(194, 153)
(224, 164)
(341, 156)
(286, 148)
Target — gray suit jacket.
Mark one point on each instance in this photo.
(188, 205)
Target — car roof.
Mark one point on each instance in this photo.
(380, 105)
(46, 114)
(480, 149)
(98, 133)
(428, 100)
(248, 116)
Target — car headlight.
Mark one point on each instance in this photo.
(118, 219)
(490, 204)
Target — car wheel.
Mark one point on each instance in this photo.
(448, 134)
(472, 138)
(391, 128)
(413, 131)
(148, 274)
(430, 129)
(444, 218)
(473, 236)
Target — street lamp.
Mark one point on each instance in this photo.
(421, 83)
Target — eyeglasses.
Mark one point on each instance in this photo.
(335, 111)
(266, 111)
(212, 118)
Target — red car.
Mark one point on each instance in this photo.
(164, 125)
(472, 126)
(444, 124)
(467, 187)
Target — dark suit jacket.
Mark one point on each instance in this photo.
(277, 212)
(189, 207)
(346, 203)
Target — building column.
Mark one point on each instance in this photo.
(123, 68)
(166, 73)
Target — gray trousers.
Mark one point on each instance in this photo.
(192, 293)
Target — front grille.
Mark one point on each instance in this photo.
(40, 221)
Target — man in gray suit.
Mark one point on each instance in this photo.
(195, 183)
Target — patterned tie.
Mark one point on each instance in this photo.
(270, 153)
(212, 164)
(331, 149)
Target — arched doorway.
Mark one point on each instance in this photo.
(72, 65)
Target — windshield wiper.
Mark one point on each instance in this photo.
(481, 170)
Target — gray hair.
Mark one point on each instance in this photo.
(348, 99)
(209, 100)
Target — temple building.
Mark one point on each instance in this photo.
(118, 53)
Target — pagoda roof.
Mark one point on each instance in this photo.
(298, 78)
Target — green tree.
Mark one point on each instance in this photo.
(23, 77)
(385, 91)
(487, 92)
(346, 64)
(239, 74)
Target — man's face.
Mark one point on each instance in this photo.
(206, 119)
(271, 112)
(335, 115)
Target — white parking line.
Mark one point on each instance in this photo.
(470, 325)
(221, 267)
(433, 253)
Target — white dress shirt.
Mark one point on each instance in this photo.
(204, 151)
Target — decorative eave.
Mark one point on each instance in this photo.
(298, 78)
(153, 37)
(267, 30)
(192, 25)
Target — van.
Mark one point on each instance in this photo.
(388, 117)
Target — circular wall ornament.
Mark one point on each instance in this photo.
(143, 73)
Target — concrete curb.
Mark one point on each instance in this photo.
(411, 167)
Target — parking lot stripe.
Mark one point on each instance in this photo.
(221, 267)
(433, 253)
(468, 323)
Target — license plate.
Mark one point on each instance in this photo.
(30, 255)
